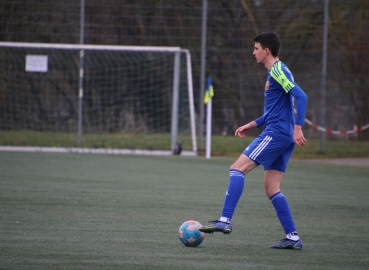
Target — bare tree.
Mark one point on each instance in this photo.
(348, 31)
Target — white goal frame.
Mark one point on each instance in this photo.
(174, 117)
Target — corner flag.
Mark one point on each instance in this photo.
(209, 93)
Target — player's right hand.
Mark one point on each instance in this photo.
(241, 131)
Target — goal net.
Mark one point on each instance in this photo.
(87, 98)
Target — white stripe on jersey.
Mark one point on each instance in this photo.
(260, 147)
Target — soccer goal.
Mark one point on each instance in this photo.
(95, 98)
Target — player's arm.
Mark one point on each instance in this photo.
(283, 77)
(301, 102)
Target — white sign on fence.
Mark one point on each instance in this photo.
(36, 63)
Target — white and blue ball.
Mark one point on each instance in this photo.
(189, 233)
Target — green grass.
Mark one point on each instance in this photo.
(221, 145)
(81, 211)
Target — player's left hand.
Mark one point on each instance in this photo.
(298, 136)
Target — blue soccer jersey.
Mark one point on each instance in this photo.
(280, 89)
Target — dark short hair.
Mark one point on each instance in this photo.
(269, 40)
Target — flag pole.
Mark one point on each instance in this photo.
(208, 128)
(208, 101)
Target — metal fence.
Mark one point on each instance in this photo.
(231, 26)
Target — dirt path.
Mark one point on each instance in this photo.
(361, 162)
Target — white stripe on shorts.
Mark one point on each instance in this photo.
(260, 147)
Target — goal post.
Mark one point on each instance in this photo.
(132, 99)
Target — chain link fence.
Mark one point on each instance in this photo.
(231, 26)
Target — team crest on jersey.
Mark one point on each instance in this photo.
(267, 85)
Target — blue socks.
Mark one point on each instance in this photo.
(283, 212)
(233, 194)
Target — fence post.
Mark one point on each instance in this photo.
(80, 83)
(324, 75)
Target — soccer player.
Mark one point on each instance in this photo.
(273, 148)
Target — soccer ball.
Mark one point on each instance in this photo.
(189, 233)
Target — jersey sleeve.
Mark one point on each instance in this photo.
(301, 103)
(260, 121)
(284, 77)
(281, 77)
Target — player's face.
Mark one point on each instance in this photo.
(259, 53)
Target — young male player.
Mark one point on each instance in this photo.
(273, 148)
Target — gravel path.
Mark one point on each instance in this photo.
(361, 162)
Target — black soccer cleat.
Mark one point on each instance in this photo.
(288, 244)
(217, 226)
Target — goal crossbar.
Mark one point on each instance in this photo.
(90, 47)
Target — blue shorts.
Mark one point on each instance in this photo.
(271, 151)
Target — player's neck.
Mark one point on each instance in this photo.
(270, 62)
